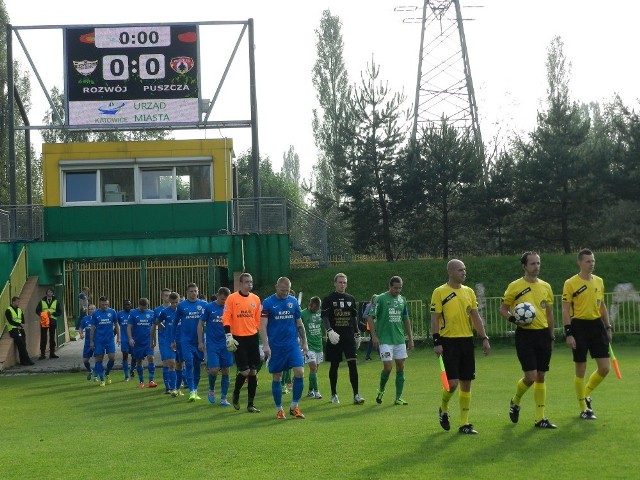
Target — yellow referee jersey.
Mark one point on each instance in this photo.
(455, 305)
(538, 294)
(585, 297)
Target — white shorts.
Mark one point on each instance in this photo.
(317, 357)
(392, 352)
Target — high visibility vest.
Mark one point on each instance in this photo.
(47, 312)
(17, 317)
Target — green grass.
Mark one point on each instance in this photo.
(422, 276)
(59, 426)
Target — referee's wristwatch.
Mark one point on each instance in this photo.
(485, 338)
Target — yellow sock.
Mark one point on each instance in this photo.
(521, 389)
(465, 403)
(540, 396)
(594, 381)
(579, 385)
(446, 396)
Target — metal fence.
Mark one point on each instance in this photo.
(623, 306)
(307, 231)
(13, 286)
(20, 222)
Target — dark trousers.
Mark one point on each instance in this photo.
(21, 344)
(52, 339)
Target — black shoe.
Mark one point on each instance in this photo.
(252, 409)
(514, 412)
(587, 415)
(42, 357)
(235, 400)
(27, 363)
(544, 423)
(53, 355)
(444, 419)
(467, 429)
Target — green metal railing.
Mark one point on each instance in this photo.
(13, 286)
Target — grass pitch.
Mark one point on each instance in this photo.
(63, 427)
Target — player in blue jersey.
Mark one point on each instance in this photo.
(164, 294)
(103, 325)
(219, 359)
(166, 333)
(123, 320)
(281, 327)
(190, 312)
(141, 322)
(84, 328)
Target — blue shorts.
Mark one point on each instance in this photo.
(166, 353)
(87, 352)
(142, 351)
(102, 346)
(219, 357)
(284, 358)
(190, 353)
(124, 346)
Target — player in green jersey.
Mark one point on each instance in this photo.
(312, 322)
(389, 324)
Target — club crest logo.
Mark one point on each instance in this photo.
(85, 67)
(181, 65)
(289, 305)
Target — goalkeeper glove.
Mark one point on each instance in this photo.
(333, 336)
(358, 339)
(232, 343)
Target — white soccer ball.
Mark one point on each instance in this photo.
(525, 313)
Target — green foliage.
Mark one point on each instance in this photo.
(272, 184)
(89, 427)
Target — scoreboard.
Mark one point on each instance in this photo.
(132, 75)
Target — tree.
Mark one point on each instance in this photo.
(440, 186)
(291, 166)
(331, 124)
(559, 192)
(272, 184)
(371, 167)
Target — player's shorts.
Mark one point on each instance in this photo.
(459, 359)
(218, 356)
(534, 349)
(390, 352)
(140, 352)
(591, 336)
(166, 352)
(102, 346)
(346, 346)
(190, 353)
(284, 358)
(247, 355)
(124, 346)
(314, 357)
(87, 351)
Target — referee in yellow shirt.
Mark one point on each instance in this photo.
(587, 328)
(454, 308)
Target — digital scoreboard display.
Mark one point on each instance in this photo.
(132, 75)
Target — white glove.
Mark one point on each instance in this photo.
(358, 339)
(333, 336)
(232, 343)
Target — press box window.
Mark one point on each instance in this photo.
(80, 186)
(157, 184)
(193, 182)
(117, 185)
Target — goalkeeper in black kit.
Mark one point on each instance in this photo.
(340, 318)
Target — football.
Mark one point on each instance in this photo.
(525, 313)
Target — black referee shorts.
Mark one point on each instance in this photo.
(534, 349)
(459, 359)
(590, 336)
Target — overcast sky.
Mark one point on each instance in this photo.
(507, 43)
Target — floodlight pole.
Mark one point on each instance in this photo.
(11, 163)
(255, 150)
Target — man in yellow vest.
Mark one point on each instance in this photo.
(48, 310)
(15, 321)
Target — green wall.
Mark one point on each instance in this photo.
(266, 257)
(136, 221)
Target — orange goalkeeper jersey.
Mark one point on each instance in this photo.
(242, 314)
